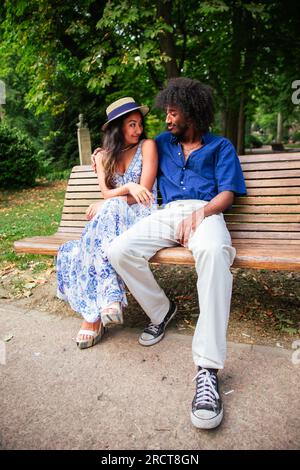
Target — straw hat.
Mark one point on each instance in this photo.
(123, 106)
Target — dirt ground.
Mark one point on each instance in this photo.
(265, 305)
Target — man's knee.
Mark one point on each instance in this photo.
(118, 249)
(214, 252)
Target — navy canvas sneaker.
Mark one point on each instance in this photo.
(207, 407)
(152, 334)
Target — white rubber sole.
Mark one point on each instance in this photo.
(150, 342)
(207, 423)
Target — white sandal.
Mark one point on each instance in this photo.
(112, 315)
(95, 337)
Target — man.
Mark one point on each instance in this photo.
(199, 174)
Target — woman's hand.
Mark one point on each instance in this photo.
(93, 209)
(140, 193)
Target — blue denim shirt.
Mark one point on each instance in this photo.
(213, 168)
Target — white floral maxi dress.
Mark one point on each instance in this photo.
(86, 279)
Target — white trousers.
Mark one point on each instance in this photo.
(211, 247)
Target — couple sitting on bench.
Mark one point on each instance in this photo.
(198, 175)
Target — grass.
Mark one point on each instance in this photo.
(28, 212)
(292, 146)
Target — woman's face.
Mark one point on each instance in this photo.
(132, 128)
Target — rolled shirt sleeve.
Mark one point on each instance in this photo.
(228, 171)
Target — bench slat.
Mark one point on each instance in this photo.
(253, 166)
(292, 209)
(260, 257)
(73, 223)
(91, 188)
(75, 209)
(263, 183)
(83, 174)
(74, 216)
(251, 175)
(84, 181)
(271, 191)
(288, 200)
(269, 157)
(93, 195)
(262, 218)
(279, 235)
(72, 230)
(263, 227)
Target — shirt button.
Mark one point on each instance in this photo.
(183, 188)
(183, 168)
(181, 182)
(179, 153)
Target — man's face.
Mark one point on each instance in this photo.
(176, 121)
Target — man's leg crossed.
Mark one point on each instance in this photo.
(129, 254)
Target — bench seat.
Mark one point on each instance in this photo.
(264, 225)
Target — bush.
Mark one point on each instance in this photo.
(253, 142)
(296, 136)
(18, 163)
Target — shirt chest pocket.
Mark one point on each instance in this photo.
(202, 168)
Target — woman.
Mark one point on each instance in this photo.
(126, 168)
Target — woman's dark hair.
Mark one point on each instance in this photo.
(113, 141)
(192, 97)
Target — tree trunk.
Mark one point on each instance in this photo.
(279, 136)
(239, 69)
(241, 126)
(231, 124)
(166, 39)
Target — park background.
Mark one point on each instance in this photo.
(61, 59)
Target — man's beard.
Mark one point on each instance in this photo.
(179, 130)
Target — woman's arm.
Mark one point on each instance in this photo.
(106, 192)
(130, 190)
(148, 176)
(150, 164)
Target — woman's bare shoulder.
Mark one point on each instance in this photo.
(148, 144)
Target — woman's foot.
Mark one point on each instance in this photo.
(90, 334)
(112, 314)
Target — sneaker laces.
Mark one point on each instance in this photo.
(151, 328)
(206, 393)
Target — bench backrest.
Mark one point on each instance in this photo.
(271, 209)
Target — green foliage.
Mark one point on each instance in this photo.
(18, 162)
(60, 59)
(253, 142)
(296, 136)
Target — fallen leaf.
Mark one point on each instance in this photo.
(30, 285)
(8, 337)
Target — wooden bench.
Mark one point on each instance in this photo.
(265, 225)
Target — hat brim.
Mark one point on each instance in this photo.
(144, 110)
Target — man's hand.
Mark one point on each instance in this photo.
(188, 226)
(96, 152)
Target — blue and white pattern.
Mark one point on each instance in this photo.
(85, 277)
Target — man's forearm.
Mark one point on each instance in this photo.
(219, 203)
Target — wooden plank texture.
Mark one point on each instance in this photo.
(264, 225)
